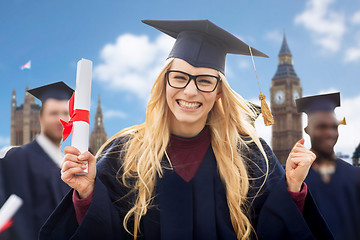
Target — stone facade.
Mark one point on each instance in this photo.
(25, 124)
(285, 88)
(98, 135)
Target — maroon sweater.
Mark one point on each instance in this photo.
(186, 155)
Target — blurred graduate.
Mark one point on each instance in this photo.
(32, 171)
(334, 183)
(196, 168)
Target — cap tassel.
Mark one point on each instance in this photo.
(268, 118)
(265, 110)
(343, 121)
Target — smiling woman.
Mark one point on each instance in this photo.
(195, 169)
(189, 106)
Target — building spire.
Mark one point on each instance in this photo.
(284, 50)
(98, 135)
(13, 99)
(98, 109)
(285, 67)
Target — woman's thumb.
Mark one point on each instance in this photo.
(301, 141)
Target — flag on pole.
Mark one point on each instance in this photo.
(26, 65)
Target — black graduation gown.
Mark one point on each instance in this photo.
(2, 191)
(339, 200)
(194, 210)
(30, 173)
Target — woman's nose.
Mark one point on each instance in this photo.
(191, 88)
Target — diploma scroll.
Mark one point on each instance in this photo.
(80, 134)
(8, 210)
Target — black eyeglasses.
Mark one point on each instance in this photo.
(204, 83)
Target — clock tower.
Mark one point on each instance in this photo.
(285, 88)
(98, 135)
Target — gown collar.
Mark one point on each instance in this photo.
(187, 154)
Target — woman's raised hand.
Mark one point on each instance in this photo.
(74, 163)
(298, 165)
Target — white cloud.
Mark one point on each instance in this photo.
(132, 63)
(262, 130)
(4, 146)
(244, 64)
(327, 91)
(274, 35)
(356, 18)
(4, 141)
(352, 54)
(349, 137)
(326, 25)
(114, 114)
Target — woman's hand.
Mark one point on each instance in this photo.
(74, 163)
(298, 165)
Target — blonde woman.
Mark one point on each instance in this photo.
(195, 169)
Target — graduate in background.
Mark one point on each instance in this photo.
(334, 184)
(195, 169)
(32, 171)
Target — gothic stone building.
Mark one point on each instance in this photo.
(98, 135)
(285, 88)
(25, 123)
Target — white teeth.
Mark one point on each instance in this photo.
(185, 104)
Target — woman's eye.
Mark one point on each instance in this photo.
(180, 77)
(204, 81)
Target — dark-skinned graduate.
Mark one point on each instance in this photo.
(334, 183)
(196, 168)
(32, 171)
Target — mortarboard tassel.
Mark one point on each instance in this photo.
(268, 118)
(342, 122)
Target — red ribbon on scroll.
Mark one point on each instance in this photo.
(6, 225)
(75, 116)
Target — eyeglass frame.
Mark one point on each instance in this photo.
(194, 77)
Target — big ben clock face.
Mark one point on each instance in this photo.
(296, 95)
(279, 97)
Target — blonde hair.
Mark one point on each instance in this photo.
(228, 122)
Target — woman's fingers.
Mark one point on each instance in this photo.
(69, 164)
(87, 156)
(71, 150)
(68, 175)
(71, 158)
(298, 164)
(303, 155)
(301, 159)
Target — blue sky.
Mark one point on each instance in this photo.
(323, 36)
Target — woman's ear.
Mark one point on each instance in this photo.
(218, 95)
(219, 92)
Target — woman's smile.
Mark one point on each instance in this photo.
(187, 105)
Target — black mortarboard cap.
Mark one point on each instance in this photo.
(255, 108)
(324, 102)
(202, 43)
(58, 90)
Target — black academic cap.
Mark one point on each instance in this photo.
(255, 108)
(58, 90)
(202, 43)
(325, 102)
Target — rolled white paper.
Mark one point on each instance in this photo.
(10, 207)
(80, 134)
